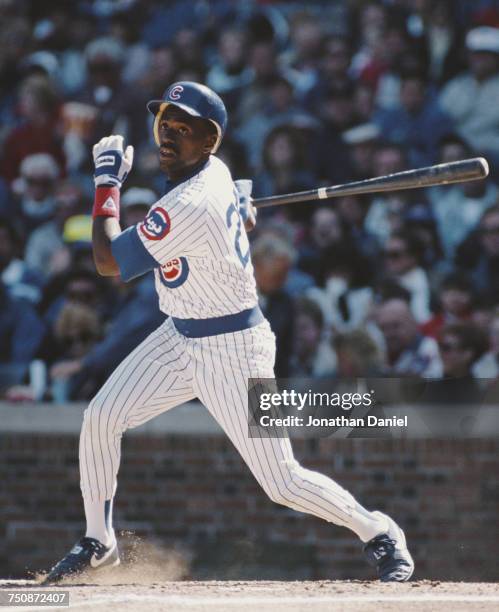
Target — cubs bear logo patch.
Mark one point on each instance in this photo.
(174, 272)
(156, 225)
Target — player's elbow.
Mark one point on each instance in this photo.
(106, 267)
(108, 272)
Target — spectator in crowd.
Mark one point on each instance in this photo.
(330, 153)
(361, 141)
(460, 345)
(467, 98)
(229, 73)
(408, 352)
(402, 256)
(76, 331)
(21, 334)
(161, 21)
(35, 203)
(125, 29)
(188, 51)
(483, 262)
(357, 355)
(78, 29)
(353, 210)
(417, 123)
(364, 102)
(161, 70)
(442, 40)
(312, 356)
(135, 316)
(39, 130)
(456, 303)
(326, 230)
(147, 167)
(135, 204)
(16, 276)
(389, 51)
(458, 208)
(285, 170)
(47, 240)
(346, 297)
(264, 69)
(483, 311)
(419, 218)
(367, 63)
(297, 281)
(333, 72)
(386, 213)
(106, 92)
(75, 284)
(488, 364)
(15, 45)
(272, 260)
(302, 61)
(281, 109)
(233, 153)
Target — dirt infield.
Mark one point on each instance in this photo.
(266, 596)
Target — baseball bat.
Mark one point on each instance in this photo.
(441, 174)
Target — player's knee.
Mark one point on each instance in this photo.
(282, 489)
(93, 417)
(278, 496)
(105, 412)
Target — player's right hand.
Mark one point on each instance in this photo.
(244, 188)
(112, 164)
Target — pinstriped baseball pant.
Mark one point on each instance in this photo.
(168, 369)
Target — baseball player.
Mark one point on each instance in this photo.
(215, 338)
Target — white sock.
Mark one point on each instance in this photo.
(99, 515)
(366, 524)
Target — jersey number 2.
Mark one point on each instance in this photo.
(231, 211)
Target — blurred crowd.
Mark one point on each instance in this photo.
(318, 93)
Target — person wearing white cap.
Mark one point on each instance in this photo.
(35, 188)
(471, 98)
(135, 204)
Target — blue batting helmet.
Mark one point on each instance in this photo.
(195, 99)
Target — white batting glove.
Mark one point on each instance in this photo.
(112, 164)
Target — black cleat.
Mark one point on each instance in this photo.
(388, 553)
(86, 554)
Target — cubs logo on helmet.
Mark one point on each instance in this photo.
(175, 92)
(156, 225)
(174, 272)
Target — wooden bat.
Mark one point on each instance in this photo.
(441, 174)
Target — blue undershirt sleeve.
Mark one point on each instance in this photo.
(131, 255)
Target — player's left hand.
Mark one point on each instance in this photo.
(246, 208)
(112, 164)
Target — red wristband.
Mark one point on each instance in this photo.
(106, 202)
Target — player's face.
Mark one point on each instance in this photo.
(184, 141)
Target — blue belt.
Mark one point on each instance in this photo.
(199, 328)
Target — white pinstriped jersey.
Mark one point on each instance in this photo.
(197, 235)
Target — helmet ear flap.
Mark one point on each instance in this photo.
(157, 119)
(219, 136)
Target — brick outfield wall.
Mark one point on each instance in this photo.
(195, 492)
